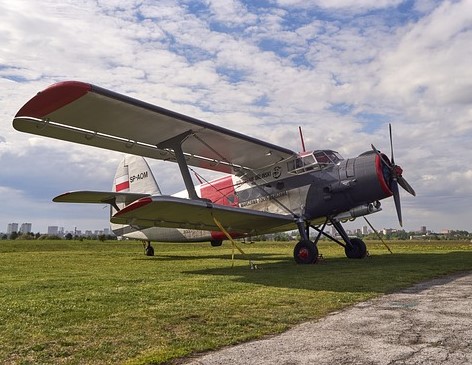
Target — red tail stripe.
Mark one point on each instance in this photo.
(122, 186)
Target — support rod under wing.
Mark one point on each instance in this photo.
(175, 144)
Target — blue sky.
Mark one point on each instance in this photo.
(342, 69)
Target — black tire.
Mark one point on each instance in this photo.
(356, 250)
(305, 252)
(216, 243)
(149, 250)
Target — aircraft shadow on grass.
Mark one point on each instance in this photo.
(226, 257)
(379, 273)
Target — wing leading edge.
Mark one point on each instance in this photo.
(87, 114)
(168, 211)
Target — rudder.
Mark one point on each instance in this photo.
(134, 175)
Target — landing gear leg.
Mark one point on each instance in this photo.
(355, 248)
(305, 251)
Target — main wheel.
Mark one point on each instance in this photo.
(216, 243)
(356, 250)
(149, 250)
(305, 252)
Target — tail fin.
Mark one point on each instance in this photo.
(133, 175)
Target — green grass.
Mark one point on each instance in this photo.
(107, 303)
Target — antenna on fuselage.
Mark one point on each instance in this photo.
(301, 138)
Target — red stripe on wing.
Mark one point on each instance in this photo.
(134, 205)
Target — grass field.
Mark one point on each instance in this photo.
(107, 303)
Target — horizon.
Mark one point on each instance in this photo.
(341, 70)
(350, 227)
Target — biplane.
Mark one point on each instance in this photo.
(267, 189)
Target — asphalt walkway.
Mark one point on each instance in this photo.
(429, 323)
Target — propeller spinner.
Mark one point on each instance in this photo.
(397, 178)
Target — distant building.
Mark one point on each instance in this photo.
(423, 230)
(53, 230)
(12, 227)
(25, 228)
(365, 230)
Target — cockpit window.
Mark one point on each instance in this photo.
(333, 156)
(313, 161)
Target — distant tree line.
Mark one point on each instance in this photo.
(403, 235)
(394, 235)
(68, 236)
(282, 236)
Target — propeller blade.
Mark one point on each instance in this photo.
(391, 143)
(404, 184)
(396, 178)
(396, 199)
(381, 156)
(375, 149)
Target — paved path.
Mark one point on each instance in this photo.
(429, 323)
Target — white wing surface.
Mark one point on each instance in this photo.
(167, 211)
(87, 114)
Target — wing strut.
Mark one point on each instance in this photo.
(175, 144)
(112, 202)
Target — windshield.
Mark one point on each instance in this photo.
(313, 161)
(327, 156)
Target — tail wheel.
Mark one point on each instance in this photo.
(305, 252)
(356, 250)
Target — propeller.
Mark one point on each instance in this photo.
(397, 178)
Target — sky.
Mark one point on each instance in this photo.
(340, 69)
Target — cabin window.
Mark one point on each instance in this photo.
(303, 164)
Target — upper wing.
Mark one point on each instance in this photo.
(87, 114)
(168, 211)
(98, 197)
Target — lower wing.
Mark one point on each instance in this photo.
(168, 211)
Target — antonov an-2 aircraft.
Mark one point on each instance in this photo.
(269, 188)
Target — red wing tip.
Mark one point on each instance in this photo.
(69, 84)
(54, 97)
(134, 205)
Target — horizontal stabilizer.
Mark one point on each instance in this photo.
(168, 211)
(98, 197)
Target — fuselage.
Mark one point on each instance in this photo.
(313, 185)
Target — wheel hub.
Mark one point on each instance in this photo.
(303, 254)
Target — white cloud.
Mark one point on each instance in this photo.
(357, 5)
(332, 67)
(230, 12)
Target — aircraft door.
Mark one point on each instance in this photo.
(349, 171)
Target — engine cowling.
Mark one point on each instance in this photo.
(354, 182)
